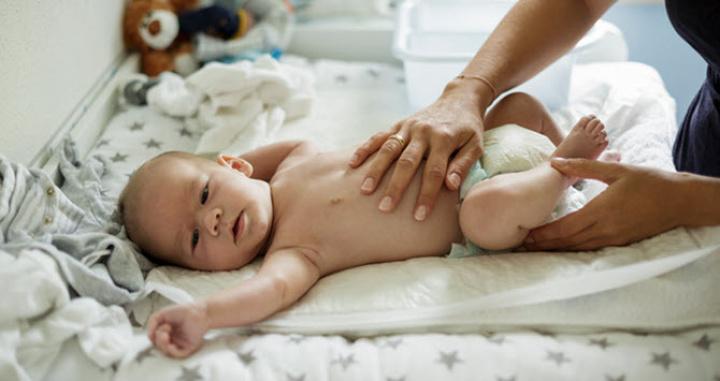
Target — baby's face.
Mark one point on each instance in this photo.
(203, 215)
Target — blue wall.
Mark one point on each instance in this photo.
(652, 40)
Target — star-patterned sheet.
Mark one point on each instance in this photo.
(516, 356)
(136, 135)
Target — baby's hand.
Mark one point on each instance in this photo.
(178, 330)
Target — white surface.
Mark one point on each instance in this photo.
(349, 39)
(52, 55)
(436, 39)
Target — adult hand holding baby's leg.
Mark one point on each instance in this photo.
(178, 331)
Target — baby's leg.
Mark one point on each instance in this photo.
(498, 213)
(526, 111)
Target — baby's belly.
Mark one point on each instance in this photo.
(348, 229)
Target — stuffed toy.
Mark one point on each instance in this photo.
(167, 33)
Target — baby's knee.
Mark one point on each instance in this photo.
(487, 216)
(519, 100)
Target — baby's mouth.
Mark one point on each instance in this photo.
(239, 227)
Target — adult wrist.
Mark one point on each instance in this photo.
(480, 90)
(698, 195)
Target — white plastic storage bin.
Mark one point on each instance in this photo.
(436, 39)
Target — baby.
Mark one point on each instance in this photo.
(305, 211)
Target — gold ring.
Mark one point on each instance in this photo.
(398, 138)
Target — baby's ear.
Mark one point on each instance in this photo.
(236, 163)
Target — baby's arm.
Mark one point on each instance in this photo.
(283, 278)
(268, 159)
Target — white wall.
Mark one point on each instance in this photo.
(51, 54)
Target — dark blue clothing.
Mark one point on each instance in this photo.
(697, 147)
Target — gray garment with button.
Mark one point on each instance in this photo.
(74, 224)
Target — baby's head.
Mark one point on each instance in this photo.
(190, 211)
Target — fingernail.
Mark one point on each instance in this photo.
(385, 204)
(421, 213)
(368, 184)
(528, 240)
(354, 159)
(455, 180)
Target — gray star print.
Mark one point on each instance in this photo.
(118, 157)
(185, 132)
(152, 143)
(246, 358)
(136, 126)
(296, 339)
(663, 359)
(393, 343)
(346, 361)
(704, 342)
(290, 377)
(618, 378)
(190, 374)
(449, 359)
(499, 340)
(102, 142)
(602, 343)
(558, 357)
(396, 379)
(506, 379)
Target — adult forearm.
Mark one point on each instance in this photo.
(531, 36)
(700, 200)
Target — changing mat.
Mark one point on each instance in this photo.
(661, 283)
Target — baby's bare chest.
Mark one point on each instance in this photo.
(319, 205)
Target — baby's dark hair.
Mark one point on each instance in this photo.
(127, 207)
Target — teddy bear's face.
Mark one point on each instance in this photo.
(149, 25)
(159, 29)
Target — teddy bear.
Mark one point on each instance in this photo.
(162, 31)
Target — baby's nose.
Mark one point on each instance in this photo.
(211, 220)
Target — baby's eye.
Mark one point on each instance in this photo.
(204, 195)
(195, 238)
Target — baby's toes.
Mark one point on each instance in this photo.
(584, 122)
(595, 127)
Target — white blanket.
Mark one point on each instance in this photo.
(662, 283)
(237, 106)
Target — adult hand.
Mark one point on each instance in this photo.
(638, 203)
(178, 330)
(452, 125)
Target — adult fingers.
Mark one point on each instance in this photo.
(404, 171)
(462, 162)
(604, 171)
(557, 233)
(371, 146)
(587, 239)
(386, 155)
(432, 181)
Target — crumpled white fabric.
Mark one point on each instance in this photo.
(37, 317)
(238, 106)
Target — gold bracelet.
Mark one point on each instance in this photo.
(481, 79)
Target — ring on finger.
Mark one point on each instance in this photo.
(398, 138)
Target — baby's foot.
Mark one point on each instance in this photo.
(587, 140)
